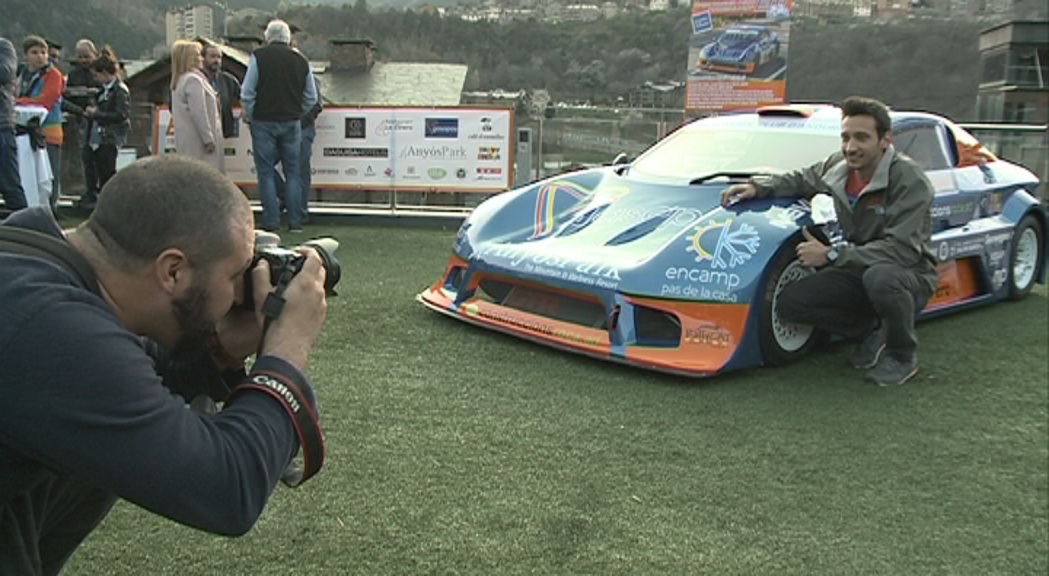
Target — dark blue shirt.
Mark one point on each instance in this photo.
(82, 397)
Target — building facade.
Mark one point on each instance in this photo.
(1014, 73)
(191, 22)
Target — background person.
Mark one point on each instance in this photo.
(10, 176)
(41, 84)
(90, 368)
(108, 122)
(278, 89)
(873, 285)
(226, 86)
(81, 90)
(195, 107)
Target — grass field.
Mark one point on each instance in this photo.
(453, 450)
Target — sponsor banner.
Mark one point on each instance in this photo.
(737, 54)
(425, 149)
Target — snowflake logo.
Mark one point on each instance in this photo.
(731, 248)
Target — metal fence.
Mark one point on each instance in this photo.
(1025, 145)
(565, 138)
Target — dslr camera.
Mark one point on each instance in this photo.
(285, 263)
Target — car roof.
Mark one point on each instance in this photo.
(806, 118)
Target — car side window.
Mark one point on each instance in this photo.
(924, 145)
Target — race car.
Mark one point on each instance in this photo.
(640, 263)
(741, 49)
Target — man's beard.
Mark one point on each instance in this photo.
(193, 322)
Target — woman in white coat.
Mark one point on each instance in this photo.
(195, 107)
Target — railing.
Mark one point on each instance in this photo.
(1022, 144)
(568, 138)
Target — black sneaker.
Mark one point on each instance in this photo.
(869, 350)
(892, 371)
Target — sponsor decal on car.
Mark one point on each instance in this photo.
(708, 334)
(722, 245)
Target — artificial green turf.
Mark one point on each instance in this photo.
(454, 450)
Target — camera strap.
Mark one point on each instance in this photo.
(26, 242)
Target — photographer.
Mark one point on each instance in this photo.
(91, 366)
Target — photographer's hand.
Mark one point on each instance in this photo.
(292, 334)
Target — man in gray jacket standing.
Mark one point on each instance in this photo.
(872, 285)
(10, 178)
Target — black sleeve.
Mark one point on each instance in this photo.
(89, 401)
(118, 112)
(192, 376)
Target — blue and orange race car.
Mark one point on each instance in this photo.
(741, 48)
(639, 263)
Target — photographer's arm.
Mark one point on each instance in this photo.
(96, 407)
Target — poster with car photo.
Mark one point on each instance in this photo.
(737, 54)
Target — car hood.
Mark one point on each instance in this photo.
(606, 231)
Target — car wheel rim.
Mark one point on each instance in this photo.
(1026, 260)
(790, 337)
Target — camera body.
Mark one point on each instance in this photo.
(285, 263)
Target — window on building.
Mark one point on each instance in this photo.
(993, 66)
(990, 107)
(1028, 66)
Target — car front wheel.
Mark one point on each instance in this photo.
(782, 342)
(1025, 256)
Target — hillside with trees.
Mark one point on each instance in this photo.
(920, 63)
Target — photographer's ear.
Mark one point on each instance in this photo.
(173, 272)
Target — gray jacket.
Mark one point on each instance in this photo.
(8, 84)
(890, 221)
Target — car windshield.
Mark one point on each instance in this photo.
(734, 37)
(699, 151)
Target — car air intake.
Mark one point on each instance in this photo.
(656, 328)
(562, 306)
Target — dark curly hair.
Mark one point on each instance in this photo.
(860, 106)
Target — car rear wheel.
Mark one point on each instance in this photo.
(1025, 257)
(782, 342)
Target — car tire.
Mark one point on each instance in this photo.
(1026, 256)
(782, 342)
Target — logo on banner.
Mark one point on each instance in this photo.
(488, 153)
(434, 152)
(436, 173)
(442, 127)
(369, 172)
(486, 124)
(388, 172)
(356, 152)
(489, 173)
(356, 127)
(460, 173)
(390, 125)
(410, 173)
(351, 171)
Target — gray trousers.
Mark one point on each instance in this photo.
(850, 301)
